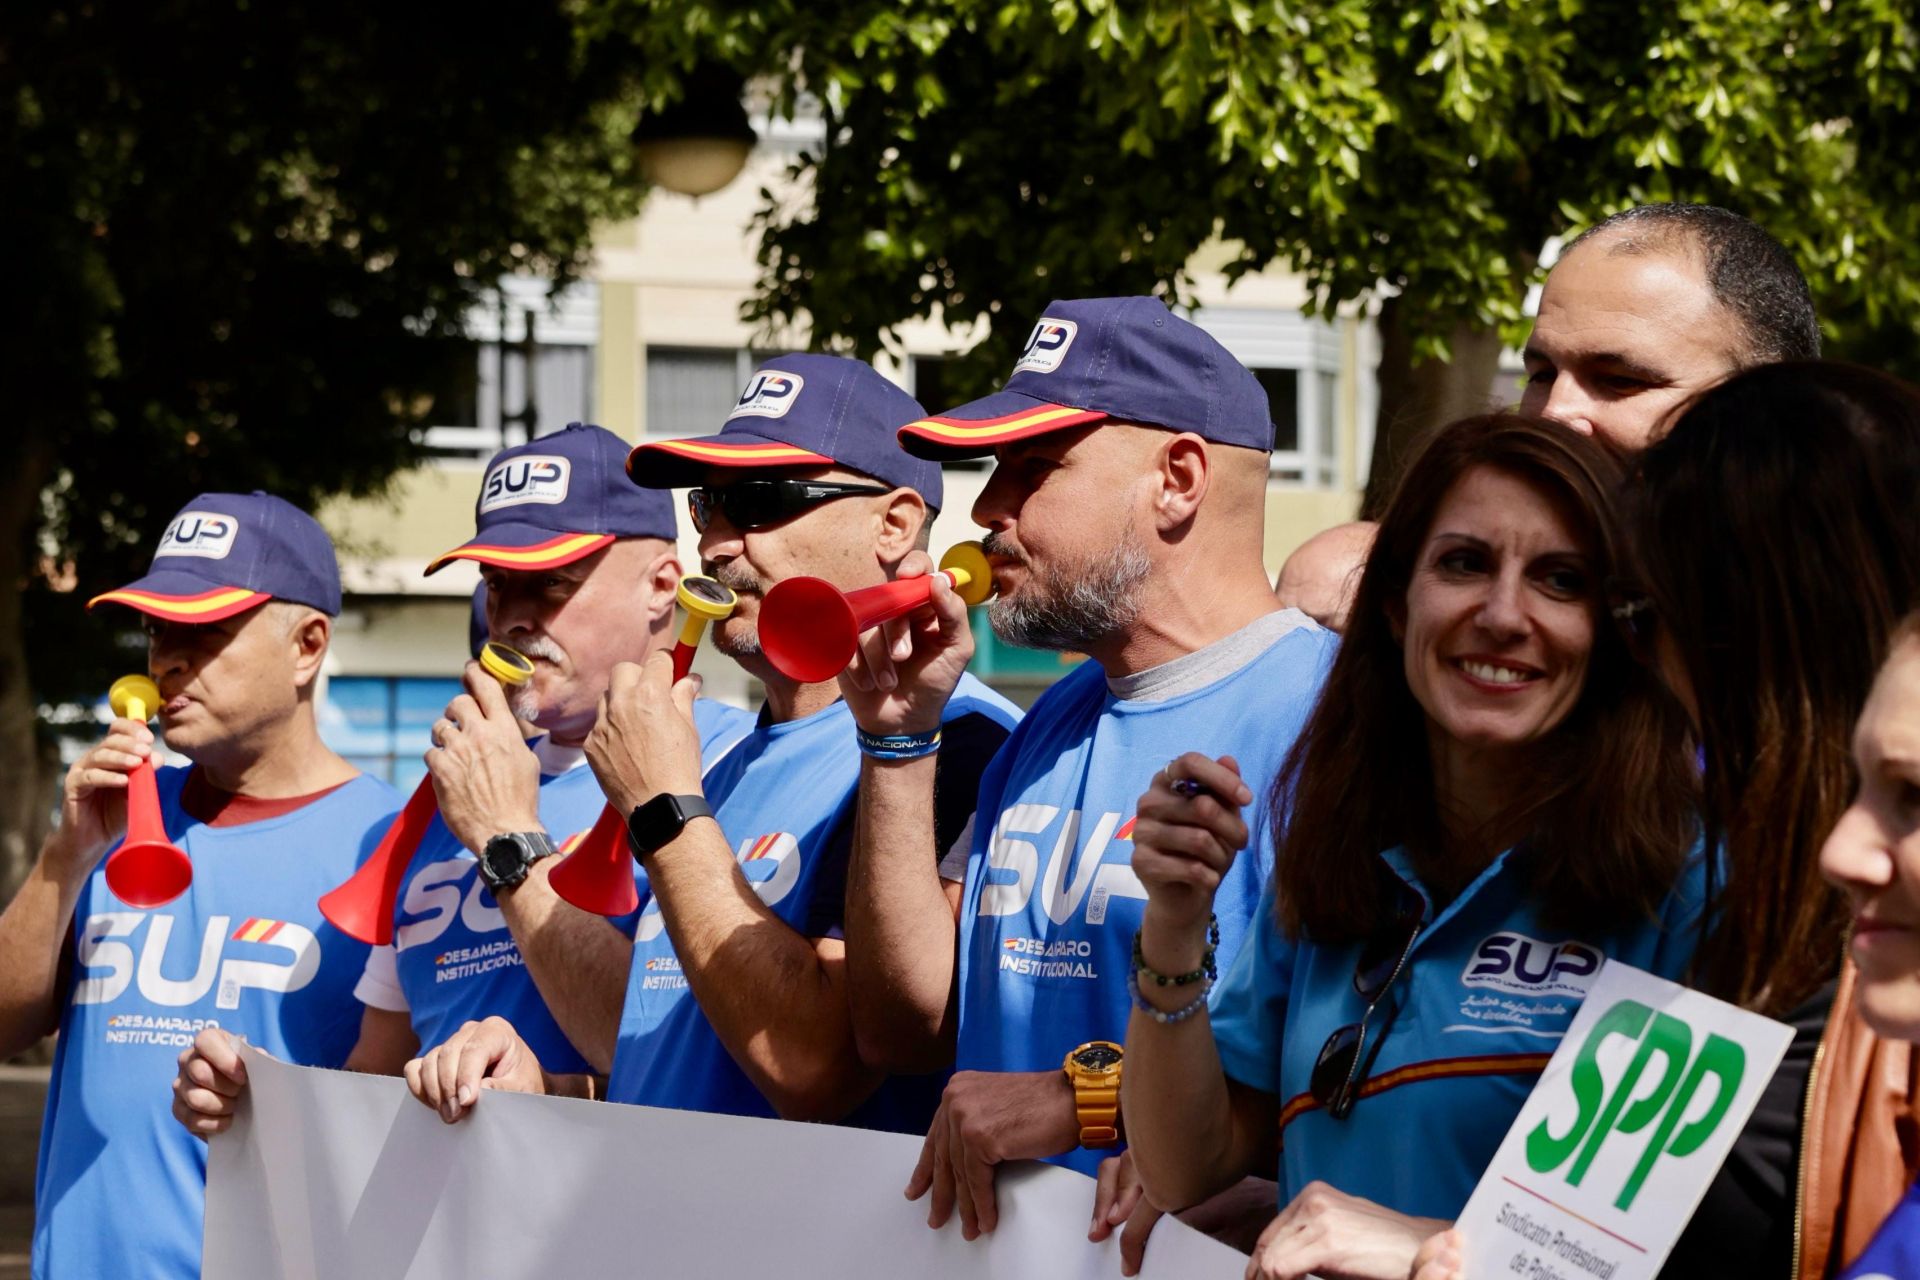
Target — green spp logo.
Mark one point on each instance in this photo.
(1602, 1114)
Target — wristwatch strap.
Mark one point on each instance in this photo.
(1098, 1107)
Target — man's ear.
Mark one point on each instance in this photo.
(662, 581)
(1186, 473)
(901, 516)
(310, 637)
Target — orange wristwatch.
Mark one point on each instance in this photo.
(1094, 1072)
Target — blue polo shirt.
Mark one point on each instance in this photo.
(122, 1185)
(1486, 995)
(784, 799)
(1051, 902)
(453, 960)
(1894, 1253)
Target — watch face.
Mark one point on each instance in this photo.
(503, 857)
(1097, 1057)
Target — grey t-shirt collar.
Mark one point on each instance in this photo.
(1217, 661)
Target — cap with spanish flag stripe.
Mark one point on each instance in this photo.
(227, 552)
(801, 411)
(556, 498)
(1097, 359)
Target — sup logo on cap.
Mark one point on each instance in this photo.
(771, 393)
(207, 534)
(1046, 346)
(528, 478)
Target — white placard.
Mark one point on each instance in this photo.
(327, 1175)
(1617, 1143)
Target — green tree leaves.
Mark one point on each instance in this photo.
(986, 156)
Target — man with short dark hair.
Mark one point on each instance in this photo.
(239, 607)
(1654, 305)
(1645, 310)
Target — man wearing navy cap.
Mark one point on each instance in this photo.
(737, 1002)
(579, 571)
(239, 607)
(1125, 518)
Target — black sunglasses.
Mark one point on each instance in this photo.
(753, 504)
(1344, 1061)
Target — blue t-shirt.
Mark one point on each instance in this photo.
(1486, 994)
(122, 1185)
(1051, 901)
(783, 798)
(453, 960)
(1894, 1253)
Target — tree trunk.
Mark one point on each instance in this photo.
(26, 795)
(1417, 397)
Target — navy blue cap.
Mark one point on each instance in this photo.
(557, 498)
(802, 411)
(227, 552)
(1093, 359)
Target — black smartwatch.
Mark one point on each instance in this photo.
(505, 860)
(660, 819)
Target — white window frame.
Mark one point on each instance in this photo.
(574, 322)
(1276, 338)
(745, 361)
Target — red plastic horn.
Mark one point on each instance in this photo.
(362, 907)
(598, 875)
(147, 870)
(809, 629)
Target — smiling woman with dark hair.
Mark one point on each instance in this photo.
(1490, 798)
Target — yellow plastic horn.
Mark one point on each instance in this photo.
(134, 697)
(966, 564)
(508, 666)
(706, 600)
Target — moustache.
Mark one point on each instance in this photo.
(536, 646)
(733, 576)
(998, 545)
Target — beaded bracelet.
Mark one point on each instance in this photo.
(1162, 1016)
(898, 746)
(1208, 970)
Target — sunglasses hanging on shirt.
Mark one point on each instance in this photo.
(1340, 1072)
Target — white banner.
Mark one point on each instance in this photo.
(328, 1175)
(1616, 1144)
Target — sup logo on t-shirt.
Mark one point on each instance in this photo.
(114, 955)
(198, 533)
(769, 395)
(1046, 346)
(528, 478)
(1518, 965)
